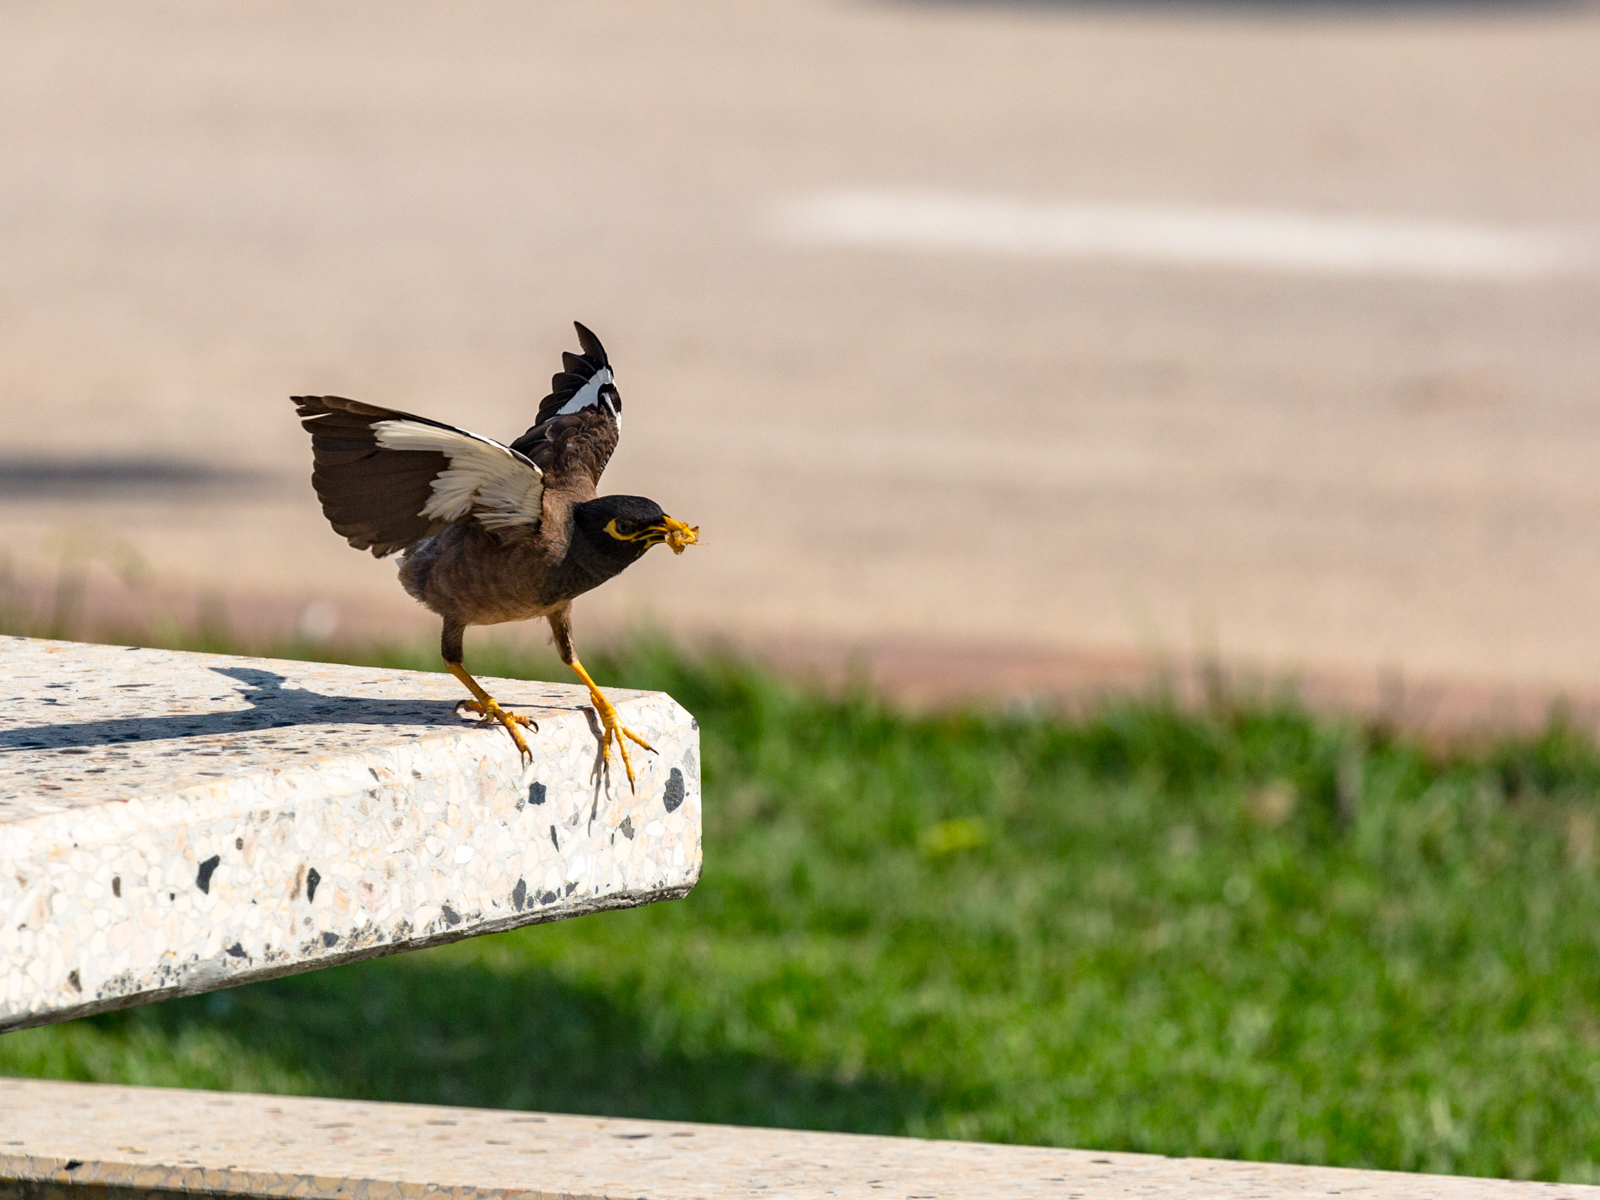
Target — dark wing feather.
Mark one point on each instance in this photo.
(580, 421)
(373, 498)
(388, 479)
(590, 344)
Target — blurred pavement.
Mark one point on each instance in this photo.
(205, 208)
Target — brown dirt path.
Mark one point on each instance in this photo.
(205, 208)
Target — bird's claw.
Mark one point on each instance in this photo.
(615, 730)
(493, 714)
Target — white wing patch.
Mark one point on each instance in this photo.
(588, 396)
(496, 483)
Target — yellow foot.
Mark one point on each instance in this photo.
(492, 713)
(616, 731)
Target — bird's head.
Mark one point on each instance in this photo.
(624, 527)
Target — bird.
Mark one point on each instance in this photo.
(491, 532)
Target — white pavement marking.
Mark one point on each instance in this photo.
(1253, 239)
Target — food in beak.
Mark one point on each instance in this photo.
(680, 535)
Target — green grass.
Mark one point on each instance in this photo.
(1244, 933)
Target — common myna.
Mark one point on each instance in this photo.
(493, 533)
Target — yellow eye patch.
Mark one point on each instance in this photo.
(611, 528)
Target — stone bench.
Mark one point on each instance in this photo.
(173, 823)
(121, 1143)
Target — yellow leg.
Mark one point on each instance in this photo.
(485, 704)
(614, 729)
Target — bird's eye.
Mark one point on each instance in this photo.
(623, 528)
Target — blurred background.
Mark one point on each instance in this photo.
(996, 348)
(1037, 338)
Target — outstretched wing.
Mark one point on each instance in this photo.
(580, 420)
(387, 479)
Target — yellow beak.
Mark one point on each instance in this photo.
(676, 534)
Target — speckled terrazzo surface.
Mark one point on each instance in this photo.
(172, 823)
(148, 1141)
